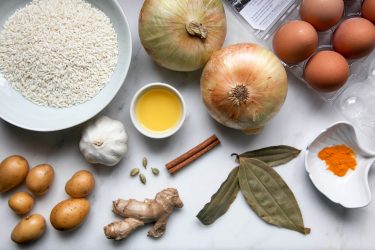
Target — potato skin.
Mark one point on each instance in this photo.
(80, 185)
(13, 171)
(40, 179)
(69, 214)
(29, 229)
(21, 202)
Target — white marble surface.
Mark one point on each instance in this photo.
(302, 117)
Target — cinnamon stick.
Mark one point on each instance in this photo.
(191, 152)
(188, 157)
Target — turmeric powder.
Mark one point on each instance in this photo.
(339, 159)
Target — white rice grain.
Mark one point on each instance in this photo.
(58, 53)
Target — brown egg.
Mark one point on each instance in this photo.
(354, 38)
(322, 14)
(368, 10)
(327, 71)
(295, 41)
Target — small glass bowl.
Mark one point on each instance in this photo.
(147, 132)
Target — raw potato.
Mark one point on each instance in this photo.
(40, 179)
(13, 171)
(80, 185)
(29, 229)
(21, 203)
(69, 214)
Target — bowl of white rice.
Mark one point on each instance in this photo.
(61, 61)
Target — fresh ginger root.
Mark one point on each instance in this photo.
(138, 213)
(119, 230)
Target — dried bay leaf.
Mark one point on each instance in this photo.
(221, 200)
(269, 196)
(273, 156)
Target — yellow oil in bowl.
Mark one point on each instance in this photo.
(158, 110)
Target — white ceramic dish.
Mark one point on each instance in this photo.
(351, 190)
(143, 130)
(17, 110)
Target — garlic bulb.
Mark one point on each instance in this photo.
(104, 142)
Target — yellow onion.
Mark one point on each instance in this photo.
(181, 35)
(243, 86)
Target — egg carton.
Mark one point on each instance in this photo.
(356, 99)
(264, 17)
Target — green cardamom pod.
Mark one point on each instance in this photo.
(134, 172)
(142, 178)
(144, 162)
(155, 171)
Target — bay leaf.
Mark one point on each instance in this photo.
(269, 196)
(273, 156)
(221, 200)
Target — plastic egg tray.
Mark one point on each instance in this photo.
(356, 99)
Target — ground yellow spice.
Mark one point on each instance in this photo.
(339, 159)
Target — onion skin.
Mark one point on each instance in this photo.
(164, 35)
(243, 86)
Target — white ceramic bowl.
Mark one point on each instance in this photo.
(351, 190)
(17, 110)
(143, 130)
